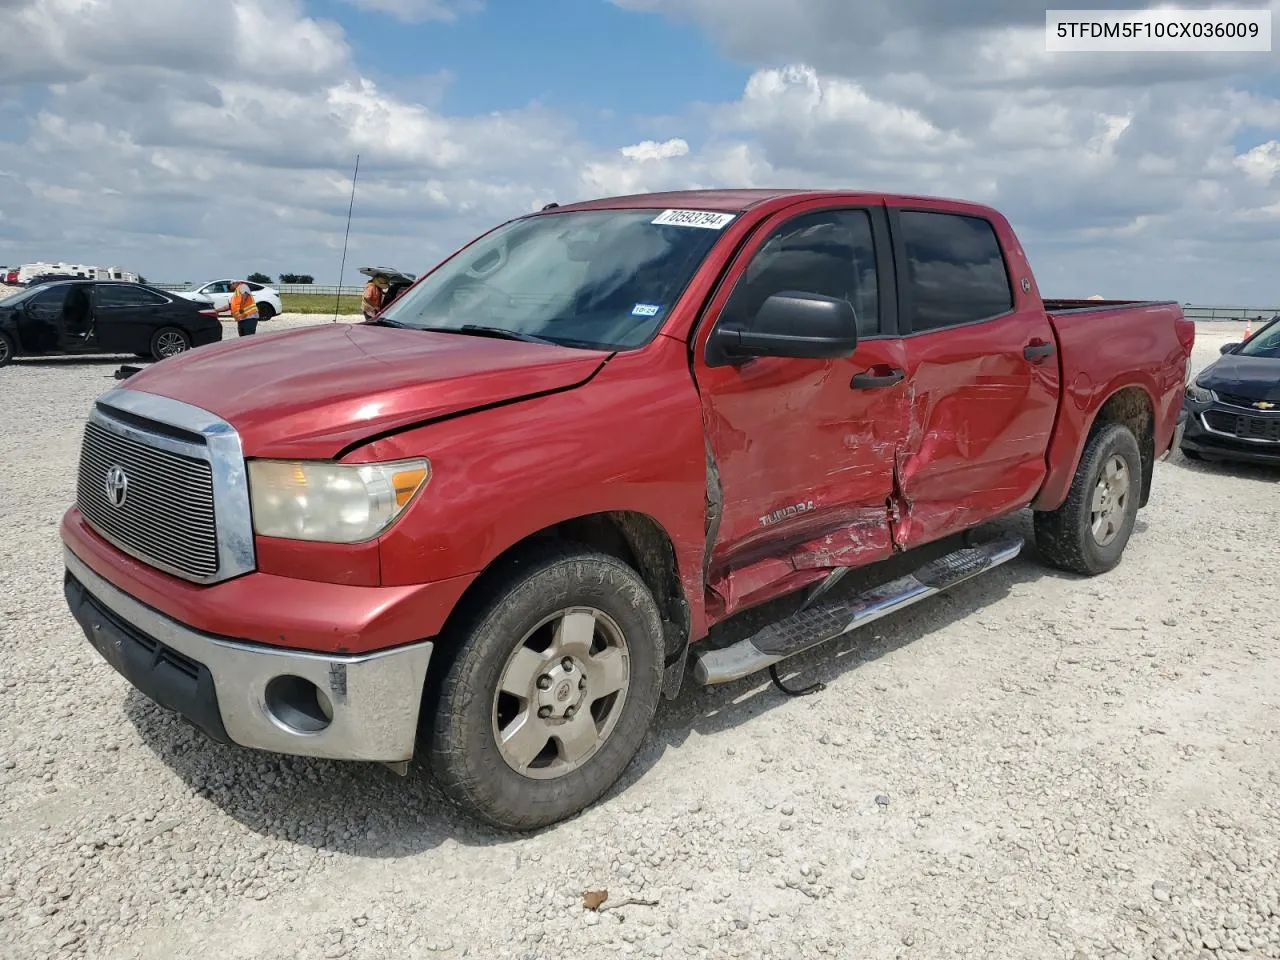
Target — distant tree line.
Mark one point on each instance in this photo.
(284, 278)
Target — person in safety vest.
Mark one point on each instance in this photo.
(243, 308)
(375, 292)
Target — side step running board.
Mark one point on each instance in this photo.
(812, 626)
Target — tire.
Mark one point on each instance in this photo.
(526, 609)
(1066, 537)
(265, 312)
(168, 342)
(7, 350)
(1191, 454)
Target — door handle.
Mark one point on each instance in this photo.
(869, 381)
(1038, 350)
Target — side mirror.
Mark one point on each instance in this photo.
(804, 326)
(1228, 347)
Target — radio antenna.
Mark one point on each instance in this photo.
(337, 304)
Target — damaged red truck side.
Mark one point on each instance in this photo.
(496, 524)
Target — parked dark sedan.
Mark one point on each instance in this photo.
(97, 317)
(1232, 411)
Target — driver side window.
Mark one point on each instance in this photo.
(47, 306)
(830, 252)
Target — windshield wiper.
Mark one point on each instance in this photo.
(479, 330)
(384, 322)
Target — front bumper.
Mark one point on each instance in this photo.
(362, 707)
(1199, 436)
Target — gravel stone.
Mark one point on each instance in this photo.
(1085, 767)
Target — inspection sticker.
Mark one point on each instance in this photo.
(694, 218)
(645, 310)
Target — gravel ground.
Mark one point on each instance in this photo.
(1033, 766)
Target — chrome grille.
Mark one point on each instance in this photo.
(166, 518)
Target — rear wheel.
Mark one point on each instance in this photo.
(552, 690)
(6, 350)
(168, 342)
(1089, 532)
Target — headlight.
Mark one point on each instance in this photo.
(1199, 394)
(331, 502)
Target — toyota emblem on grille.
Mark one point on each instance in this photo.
(117, 486)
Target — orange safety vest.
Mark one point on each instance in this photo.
(243, 306)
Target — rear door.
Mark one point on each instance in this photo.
(126, 316)
(802, 450)
(982, 368)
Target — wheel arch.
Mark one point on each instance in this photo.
(1134, 407)
(1130, 403)
(632, 537)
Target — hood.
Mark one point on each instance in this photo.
(1254, 378)
(314, 391)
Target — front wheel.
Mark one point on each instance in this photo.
(168, 342)
(1088, 533)
(265, 312)
(551, 692)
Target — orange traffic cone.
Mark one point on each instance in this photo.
(1248, 328)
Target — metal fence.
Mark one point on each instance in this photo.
(320, 289)
(1210, 314)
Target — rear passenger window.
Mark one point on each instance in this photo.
(830, 253)
(111, 295)
(955, 271)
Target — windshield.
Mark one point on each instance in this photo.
(1264, 343)
(17, 298)
(601, 279)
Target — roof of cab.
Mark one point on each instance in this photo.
(741, 200)
(723, 201)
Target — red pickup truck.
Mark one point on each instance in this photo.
(495, 524)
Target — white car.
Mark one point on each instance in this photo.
(218, 293)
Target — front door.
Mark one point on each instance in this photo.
(984, 375)
(41, 325)
(803, 450)
(219, 292)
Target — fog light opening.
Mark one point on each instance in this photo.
(298, 704)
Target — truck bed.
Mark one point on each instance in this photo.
(1085, 306)
(1104, 345)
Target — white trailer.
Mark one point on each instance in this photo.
(28, 271)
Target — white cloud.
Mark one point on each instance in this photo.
(1261, 163)
(66, 41)
(151, 140)
(979, 43)
(652, 150)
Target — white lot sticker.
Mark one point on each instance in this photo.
(694, 218)
(645, 310)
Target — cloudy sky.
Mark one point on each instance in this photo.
(192, 140)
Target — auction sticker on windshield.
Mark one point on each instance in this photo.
(694, 218)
